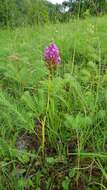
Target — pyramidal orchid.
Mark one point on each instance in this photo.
(52, 56)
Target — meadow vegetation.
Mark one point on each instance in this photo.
(53, 130)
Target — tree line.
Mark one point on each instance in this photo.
(22, 12)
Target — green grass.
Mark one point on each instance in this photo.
(53, 132)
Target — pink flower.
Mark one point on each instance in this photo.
(52, 56)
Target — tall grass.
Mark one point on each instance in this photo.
(53, 131)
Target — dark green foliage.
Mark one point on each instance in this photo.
(21, 12)
(95, 7)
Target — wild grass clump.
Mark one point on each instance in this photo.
(53, 128)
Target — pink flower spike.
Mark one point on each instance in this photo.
(52, 56)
